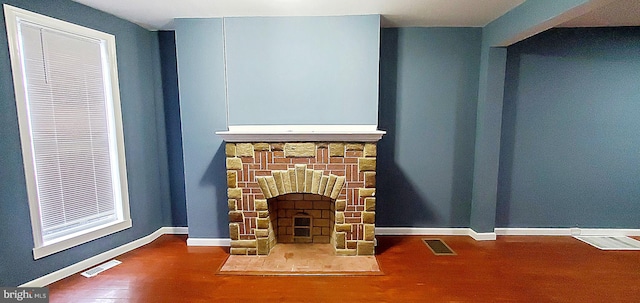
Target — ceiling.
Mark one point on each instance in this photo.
(159, 14)
(616, 13)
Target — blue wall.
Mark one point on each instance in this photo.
(428, 94)
(570, 153)
(141, 96)
(202, 110)
(201, 70)
(327, 65)
(169, 71)
(527, 19)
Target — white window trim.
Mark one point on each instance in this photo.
(42, 249)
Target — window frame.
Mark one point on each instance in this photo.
(44, 248)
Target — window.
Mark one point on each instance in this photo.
(67, 96)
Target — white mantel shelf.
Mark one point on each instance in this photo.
(301, 133)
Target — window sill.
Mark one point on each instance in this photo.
(80, 238)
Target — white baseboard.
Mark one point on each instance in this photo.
(409, 231)
(566, 232)
(534, 231)
(414, 231)
(175, 230)
(103, 257)
(482, 236)
(208, 242)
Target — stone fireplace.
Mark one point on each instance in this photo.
(315, 185)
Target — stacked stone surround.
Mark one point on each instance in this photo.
(262, 177)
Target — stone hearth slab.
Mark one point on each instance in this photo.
(300, 259)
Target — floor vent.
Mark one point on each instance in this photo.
(438, 247)
(610, 242)
(100, 268)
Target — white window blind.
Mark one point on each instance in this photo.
(71, 128)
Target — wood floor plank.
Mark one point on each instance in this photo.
(510, 269)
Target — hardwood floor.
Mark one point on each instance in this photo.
(510, 269)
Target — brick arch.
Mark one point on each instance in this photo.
(300, 179)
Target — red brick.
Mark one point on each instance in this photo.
(350, 160)
(280, 166)
(245, 173)
(313, 197)
(355, 184)
(320, 154)
(250, 214)
(247, 160)
(292, 197)
(352, 220)
(249, 200)
(264, 158)
(300, 160)
(262, 173)
(336, 167)
(354, 197)
(278, 154)
(353, 153)
(346, 214)
(336, 160)
(282, 160)
(319, 166)
(338, 172)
